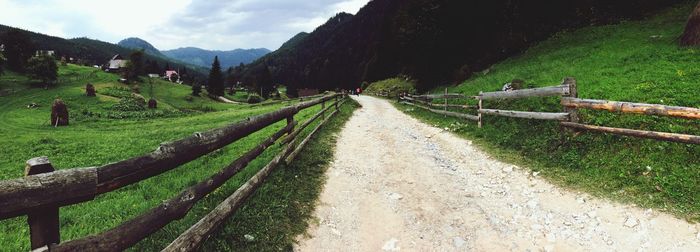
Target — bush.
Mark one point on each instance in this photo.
(136, 89)
(393, 86)
(128, 104)
(118, 92)
(254, 98)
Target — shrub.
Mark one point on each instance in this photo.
(254, 98)
(393, 86)
(136, 89)
(131, 103)
(118, 92)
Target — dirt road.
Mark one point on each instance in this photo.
(399, 184)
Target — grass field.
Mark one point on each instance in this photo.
(636, 61)
(98, 135)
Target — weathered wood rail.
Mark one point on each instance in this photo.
(568, 117)
(43, 191)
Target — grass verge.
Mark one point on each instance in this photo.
(282, 208)
(635, 61)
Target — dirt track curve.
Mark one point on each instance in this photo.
(399, 184)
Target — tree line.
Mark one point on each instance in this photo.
(435, 42)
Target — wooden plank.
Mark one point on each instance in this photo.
(435, 105)
(526, 115)
(662, 136)
(442, 96)
(129, 233)
(303, 143)
(448, 113)
(634, 108)
(480, 117)
(524, 93)
(303, 126)
(193, 237)
(59, 188)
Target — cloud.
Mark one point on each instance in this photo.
(249, 23)
(169, 24)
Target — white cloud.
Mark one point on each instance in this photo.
(168, 24)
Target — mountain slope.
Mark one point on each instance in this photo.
(434, 41)
(294, 40)
(140, 44)
(95, 52)
(204, 58)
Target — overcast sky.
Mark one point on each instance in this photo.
(169, 24)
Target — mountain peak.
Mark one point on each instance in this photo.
(139, 44)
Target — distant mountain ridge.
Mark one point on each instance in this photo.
(197, 56)
(202, 57)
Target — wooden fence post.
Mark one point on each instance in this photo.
(479, 109)
(290, 120)
(573, 93)
(44, 226)
(323, 106)
(337, 99)
(445, 101)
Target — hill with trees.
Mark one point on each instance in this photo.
(90, 52)
(140, 44)
(435, 42)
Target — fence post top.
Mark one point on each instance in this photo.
(38, 165)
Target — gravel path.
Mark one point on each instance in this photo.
(399, 184)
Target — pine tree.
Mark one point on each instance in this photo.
(215, 85)
(196, 88)
(2, 63)
(18, 49)
(43, 68)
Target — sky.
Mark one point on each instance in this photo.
(170, 24)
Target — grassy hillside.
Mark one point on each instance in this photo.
(637, 61)
(99, 134)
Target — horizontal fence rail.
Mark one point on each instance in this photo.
(42, 191)
(630, 107)
(663, 136)
(526, 115)
(526, 93)
(568, 118)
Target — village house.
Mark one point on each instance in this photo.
(116, 63)
(44, 53)
(170, 74)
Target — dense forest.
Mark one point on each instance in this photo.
(87, 51)
(432, 41)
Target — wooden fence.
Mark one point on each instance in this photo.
(42, 191)
(567, 118)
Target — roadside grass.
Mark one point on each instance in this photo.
(281, 209)
(95, 141)
(636, 61)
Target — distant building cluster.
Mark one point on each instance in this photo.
(116, 63)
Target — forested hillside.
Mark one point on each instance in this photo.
(434, 41)
(87, 51)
